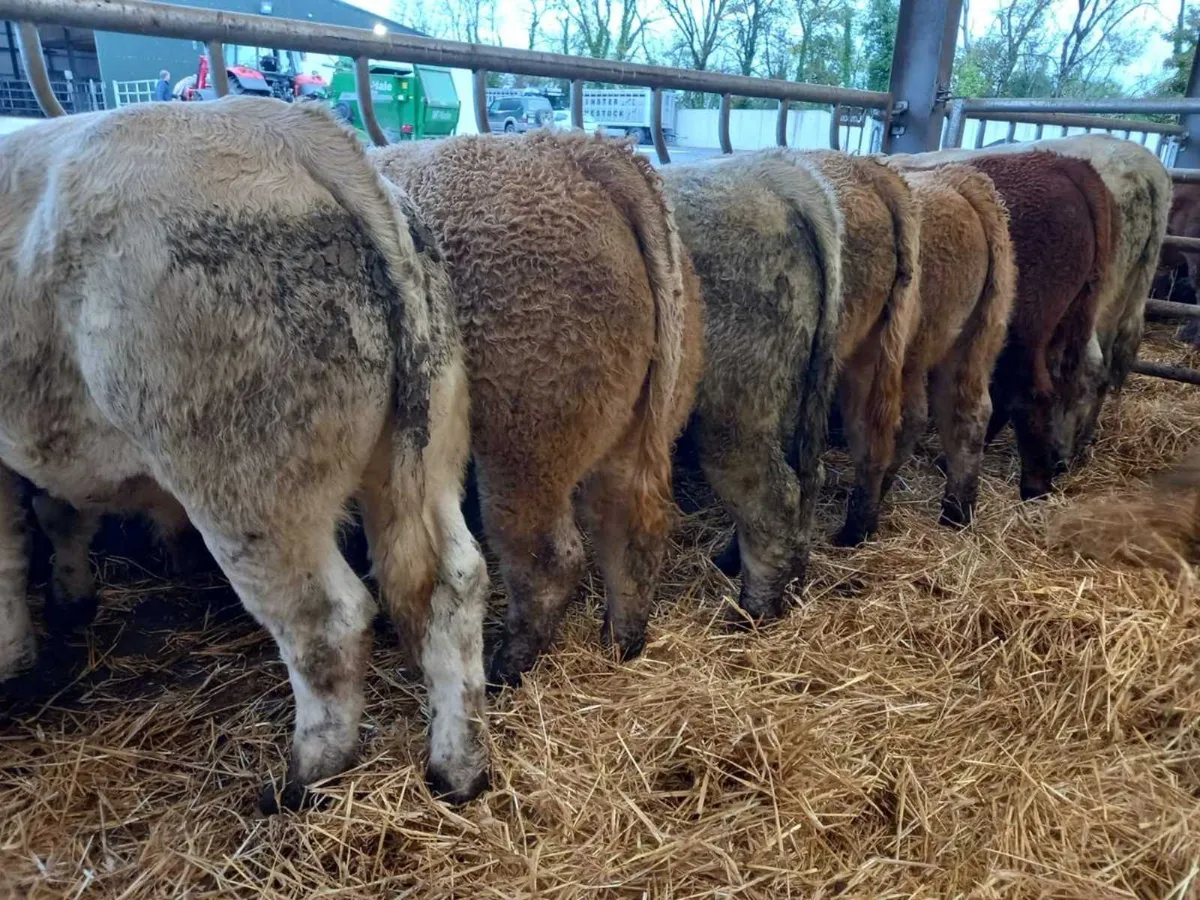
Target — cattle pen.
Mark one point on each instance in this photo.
(1012, 710)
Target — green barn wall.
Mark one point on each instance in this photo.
(129, 57)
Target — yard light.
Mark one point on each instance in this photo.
(380, 29)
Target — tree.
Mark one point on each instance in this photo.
(593, 26)
(820, 24)
(1178, 65)
(1093, 46)
(879, 42)
(701, 27)
(751, 22)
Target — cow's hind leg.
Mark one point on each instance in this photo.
(871, 416)
(533, 532)
(301, 589)
(758, 485)
(630, 541)
(71, 602)
(914, 418)
(17, 646)
(962, 410)
(440, 624)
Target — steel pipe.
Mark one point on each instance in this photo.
(1185, 176)
(34, 62)
(217, 70)
(1069, 120)
(479, 84)
(835, 132)
(577, 104)
(1172, 106)
(1182, 243)
(1162, 370)
(781, 123)
(957, 126)
(158, 19)
(656, 126)
(366, 105)
(1169, 309)
(723, 124)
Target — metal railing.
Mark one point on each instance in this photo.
(18, 99)
(1065, 114)
(218, 27)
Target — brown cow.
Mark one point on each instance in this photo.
(880, 260)
(1176, 264)
(1064, 228)
(966, 291)
(584, 346)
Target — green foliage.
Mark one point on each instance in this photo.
(1179, 63)
(879, 40)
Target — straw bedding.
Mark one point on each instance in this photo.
(984, 714)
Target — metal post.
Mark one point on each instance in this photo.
(1037, 132)
(656, 128)
(217, 70)
(781, 122)
(12, 49)
(834, 132)
(1189, 152)
(926, 33)
(577, 103)
(723, 124)
(34, 64)
(479, 82)
(366, 105)
(1011, 136)
(980, 132)
(956, 125)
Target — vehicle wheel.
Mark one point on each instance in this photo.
(509, 127)
(342, 111)
(638, 133)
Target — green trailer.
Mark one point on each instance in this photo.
(411, 102)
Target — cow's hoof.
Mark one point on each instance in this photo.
(443, 788)
(502, 673)
(17, 656)
(294, 797)
(64, 616)
(850, 536)
(1034, 491)
(955, 514)
(729, 560)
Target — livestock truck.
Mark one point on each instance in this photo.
(617, 110)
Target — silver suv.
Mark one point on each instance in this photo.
(520, 113)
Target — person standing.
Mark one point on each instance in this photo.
(162, 90)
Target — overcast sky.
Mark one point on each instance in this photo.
(1154, 18)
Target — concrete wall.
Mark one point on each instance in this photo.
(754, 129)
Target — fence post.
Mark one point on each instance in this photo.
(723, 124)
(217, 68)
(656, 126)
(34, 62)
(957, 124)
(1188, 155)
(366, 104)
(479, 82)
(781, 122)
(926, 34)
(577, 104)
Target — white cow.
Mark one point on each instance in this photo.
(217, 313)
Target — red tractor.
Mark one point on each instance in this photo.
(242, 80)
(258, 72)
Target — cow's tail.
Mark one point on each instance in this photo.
(1157, 183)
(636, 189)
(988, 324)
(902, 308)
(820, 219)
(1079, 322)
(429, 433)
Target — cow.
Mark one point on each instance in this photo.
(764, 232)
(1063, 226)
(584, 344)
(220, 314)
(880, 270)
(1141, 193)
(966, 287)
(1179, 269)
